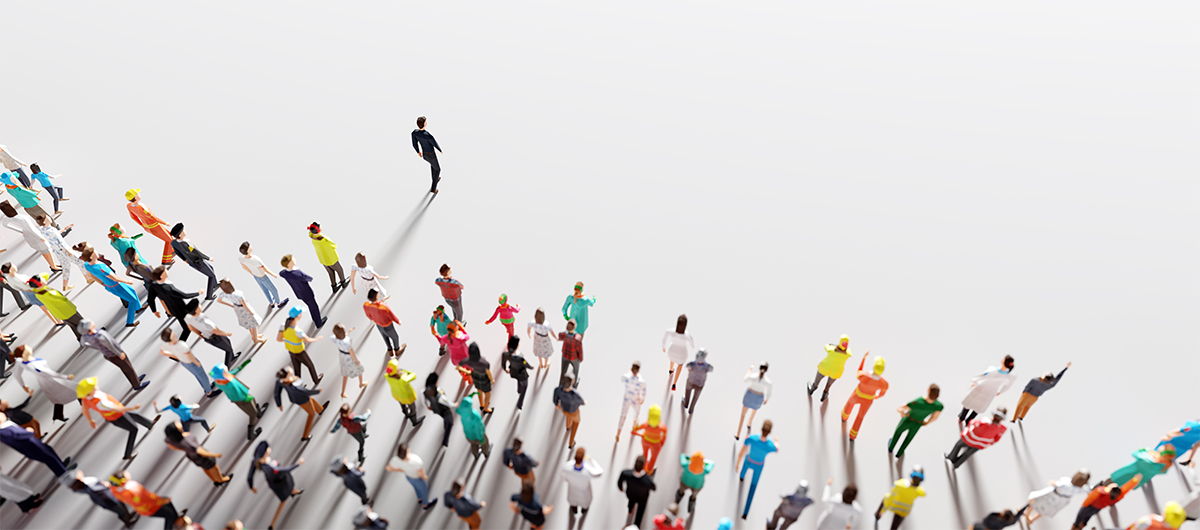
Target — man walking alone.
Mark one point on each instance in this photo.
(425, 144)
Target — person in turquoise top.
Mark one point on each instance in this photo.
(438, 324)
(328, 256)
(56, 192)
(237, 392)
(695, 467)
(576, 307)
(121, 288)
(473, 427)
(28, 199)
(1184, 439)
(1146, 463)
(122, 242)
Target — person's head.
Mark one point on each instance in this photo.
(294, 313)
(193, 307)
(1081, 477)
(849, 494)
(177, 231)
(361, 260)
(287, 261)
(159, 274)
(262, 451)
(539, 316)
(1166, 455)
(115, 232)
(701, 355)
(802, 489)
(290, 321)
(879, 365)
(445, 270)
(639, 463)
(131, 255)
(578, 288)
(999, 414)
(133, 194)
(635, 367)
(503, 299)
(473, 352)
(681, 324)
(673, 508)
(86, 387)
(119, 478)
(89, 255)
(571, 326)
(1113, 490)
(1007, 516)
(934, 392)
(917, 475)
(696, 463)
(566, 382)
(314, 228)
(402, 451)
(439, 310)
(372, 295)
(844, 343)
(8, 268)
(244, 248)
(420, 122)
(23, 352)
(526, 492)
(580, 453)
(392, 369)
(8, 209)
(516, 445)
(762, 369)
(174, 431)
(513, 343)
(456, 489)
(1174, 515)
(175, 401)
(339, 331)
(35, 168)
(766, 428)
(1008, 362)
(42, 220)
(35, 283)
(654, 416)
(344, 410)
(86, 327)
(285, 373)
(431, 380)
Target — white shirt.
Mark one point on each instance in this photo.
(761, 386)
(179, 349)
(10, 162)
(837, 515)
(579, 481)
(255, 265)
(410, 467)
(202, 323)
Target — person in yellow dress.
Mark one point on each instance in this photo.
(328, 256)
(832, 367)
(900, 500)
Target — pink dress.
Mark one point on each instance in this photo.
(457, 344)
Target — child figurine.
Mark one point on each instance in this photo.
(141, 214)
(1051, 500)
(985, 387)
(328, 256)
(543, 338)
(695, 467)
(576, 308)
(347, 360)
(916, 414)
(758, 392)
(635, 395)
(355, 425)
(1146, 464)
(506, 313)
(197, 260)
(1034, 390)
(279, 478)
(299, 282)
(42, 178)
(870, 387)
(25, 226)
(400, 382)
(262, 275)
(791, 505)
(677, 345)
(832, 366)
(752, 457)
(246, 316)
(653, 434)
(697, 374)
(367, 274)
(900, 500)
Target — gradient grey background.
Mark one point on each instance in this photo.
(945, 182)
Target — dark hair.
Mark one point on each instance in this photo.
(766, 428)
(516, 444)
(473, 352)
(444, 269)
(288, 321)
(225, 284)
(344, 409)
(192, 306)
(402, 451)
(158, 272)
(6, 267)
(173, 432)
(87, 254)
(287, 258)
(639, 463)
(1008, 362)
(934, 392)
(372, 295)
(566, 381)
(681, 324)
(282, 373)
(1008, 516)
(7, 209)
(360, 259)
(526, 493)
(166, 334)
(455, 488)
(849, 494)
(41, 219)
(35, 168)
(635, 367)
(130, 253)
(176, 230)
(421, 121)
(175, 401)
(244, 247)
(513, 342)
(339, 331)
(571, 324)
(431, 380)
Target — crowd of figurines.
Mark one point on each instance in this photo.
(129, 500)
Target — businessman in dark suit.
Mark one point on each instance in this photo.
(425, 145)
(194, 258)
(173, 300)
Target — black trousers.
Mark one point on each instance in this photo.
(126, 421)
(641, 510)
(22, 303)
(206, 269)
(169, 515)
(361, 438)
(435, 169)
(222, 342)
(448, 424)
(356, 485)
(302, 358)
(522, 385)
(410, 412)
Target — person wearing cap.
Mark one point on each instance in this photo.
(451, 292)
(1172, 518)
(473, 427)
(296, 342)
(791, 505)
(752, 457)
(351, 475)
(117, 286)
(98, 491)
(899, 501)
(262, 275)
(916, 414)
(439, 325)
(356, 427)
(328, 256)
(413, 467)
(634, 396)
(840, 513)
(654, 435)
(300, 395)
(977, 435)
(24, 225)
(1146, 463)
(239, 395)
(697, 375)
(677, 344)
(578, 473)
(122, 243)
(567, 400)
(102, 341)
(194, 258)
(141, 214)
(669, 520)
(145, 502)
(113, 412)
(22, 440)
(507, 314)
(178, 439)
(521, 463)
(435, 399)
(279, 478)
(985, 387)
(382, 316)
(299, 282)
(197, 321)
(1104, 495)
(695, 467)
(1034, 390)
(57, 387)
(464, 505)
(637, 485)
(871, 386)
(400, 383)
(174, 301)
(184, 412)
(575, 308)
(572, 351)
(513, 363)
(178, 351)
(831, 366)
(1049, 501)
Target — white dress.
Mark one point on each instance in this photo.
(543, 339)
(26, 227)
(369, 281)
(987, 386)
(1051, 499)
(579, 481)
(345, 361)
(678, 346)
(58, 389)
(58, 248)
(245, 317)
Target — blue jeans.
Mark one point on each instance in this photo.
(748, 465)
(198, 371)
(421, 487)
(56, 193)
(268, 289)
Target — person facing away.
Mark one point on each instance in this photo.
(425, 144)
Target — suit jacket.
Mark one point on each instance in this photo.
(172, 298)
(141, 270)
(190, 254)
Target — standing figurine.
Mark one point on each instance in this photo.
(370, 279)
(669, 520)
(456, 340)
(506, 313)
(143, 501)
(572, 351)
(900, 500)
(174, 301)
(543, 338)
(66, 260)
(977, 435)
(59, 306)
(634, 396)
(481, 377)
(240, 396)
(697, 375)
(43, 179)
(24, 225)
(464, 505)
(839, 515)
(413, 468)
(351, 475)
(677, 345)
(21, 283)
(355, 425)
(18, 295)
(790, 507)
(832, 366)
(425, 144)
(57, 387)
(916, 414)
(301, 395)
(194, 258)
(347, 360)
(473, 426)
(439, 325)
(122, 243)
(653, 434)
(985, 387)
(386, 320)
(296, 342)
(328, 257)
(179, 439)
(216, 337)
(28, 199)
(752, 457)
(113, 412)
(529, 505)
(1049, 501)
(578, 474)
(576, 308)
(262, 275)
(436, 400)
(279, 478)
(118, 287)
(136, 269)
(400, 382)
(1146, 464)
(246, 316)
(184, 412)
(758, 392)
(102, 341)
(870, 387)
(567, 400)
(299, 282)
(513, 363)
(637, 485)
(451, 291)
(141, 214)
(521, 463)
(1034, 390)
(695, 467)
(1104, 495)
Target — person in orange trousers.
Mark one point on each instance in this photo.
(870, 387)
(149, 222)
(653, 434)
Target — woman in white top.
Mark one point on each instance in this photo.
(261, 274)
(1049, 501)
(678, 344)
(543, 338)
(347, 360)
(367, 274)
(58, 388)
(246, 316)
(22, 224)
(758, 391)
(839, 514)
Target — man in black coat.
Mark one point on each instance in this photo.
(194, 258)
(637, 486)
(173, 300)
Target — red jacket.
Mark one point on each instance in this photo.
(1098, 499)
(660, 523)
(380, 314)
(981, 434)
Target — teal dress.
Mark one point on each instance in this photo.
(124, 243)
(472, 420)
(1142, 463)
(577, 308)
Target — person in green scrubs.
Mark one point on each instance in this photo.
(916, 414)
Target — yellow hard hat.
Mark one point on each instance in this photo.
(655, 415)
(133, 192)
(878, 365)
(1174, 515)
(85, 387)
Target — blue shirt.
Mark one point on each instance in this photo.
(1185, 441)
(759, 448)
(42, 178)
(184, 411)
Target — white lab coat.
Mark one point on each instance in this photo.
(987, 386)
(678, 345)
(579, 481)
(56, 386)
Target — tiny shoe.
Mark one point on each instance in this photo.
(889, 445)
(131, 457)
(133, 325)
(824, 396)
(283, 303)
(418, 422)
(810, 388)
(213, 426)
(672, 388)
(306, 438)
(155, 421)
(324, 407)
(142, 386)
(431, 503)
